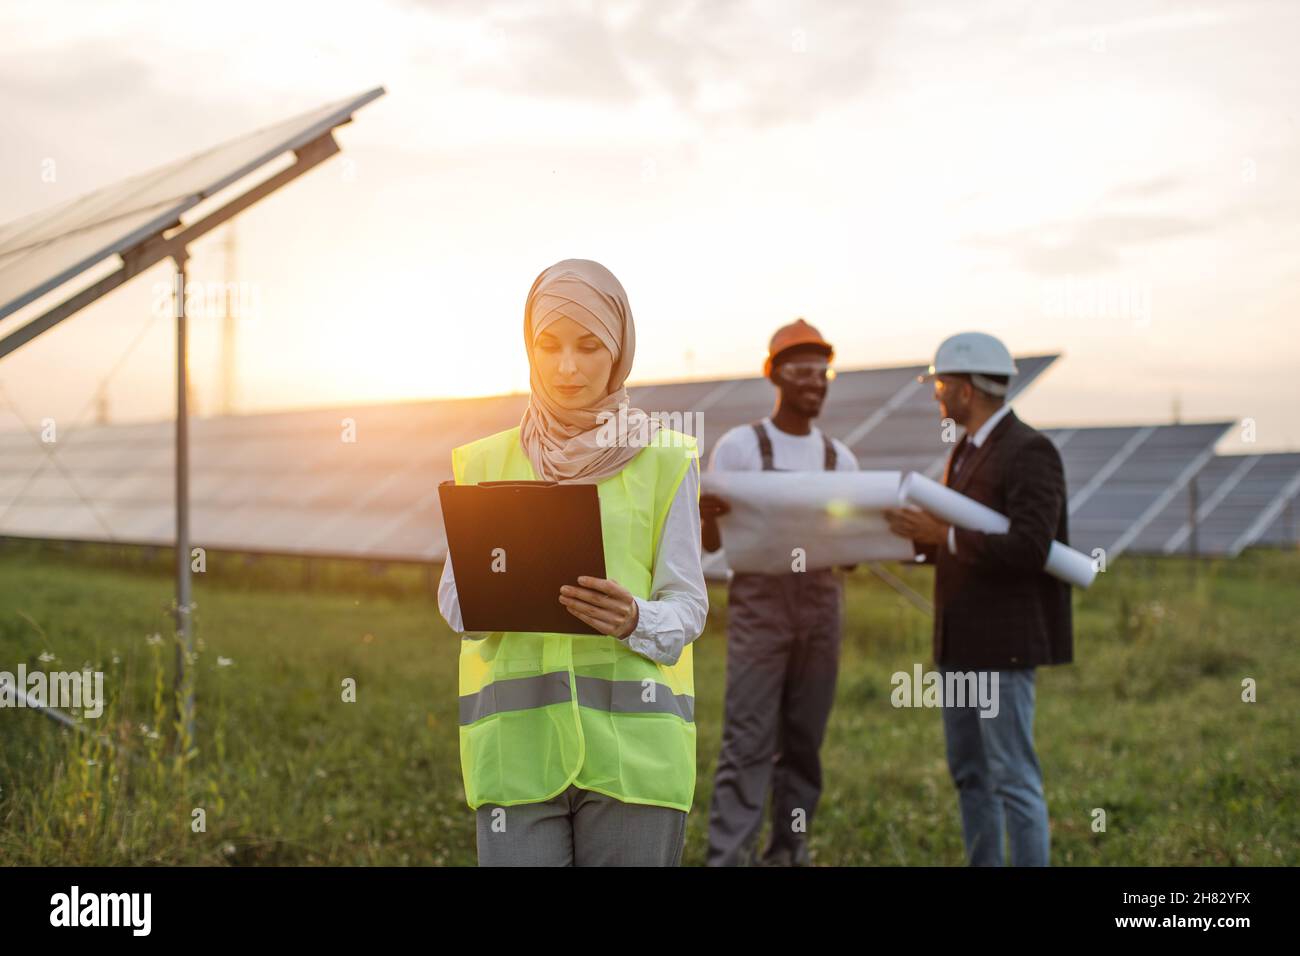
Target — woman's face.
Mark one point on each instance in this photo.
(574, 365)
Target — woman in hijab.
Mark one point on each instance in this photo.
(579, 749)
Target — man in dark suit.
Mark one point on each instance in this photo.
(995, 609)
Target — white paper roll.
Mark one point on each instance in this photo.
(1064, 562)
(834, 517)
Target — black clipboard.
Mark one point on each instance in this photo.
(549, 534)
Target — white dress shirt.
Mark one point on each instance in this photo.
(976, 440)
(679, 602)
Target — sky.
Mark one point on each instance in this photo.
(1114, 181)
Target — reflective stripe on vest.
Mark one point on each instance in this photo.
(540, 712)
(523, 693)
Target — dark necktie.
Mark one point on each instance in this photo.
(959, 458)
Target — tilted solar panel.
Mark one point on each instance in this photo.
(40, 252)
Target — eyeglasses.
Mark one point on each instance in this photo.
(806, 371)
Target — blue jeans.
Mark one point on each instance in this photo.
(996, 773)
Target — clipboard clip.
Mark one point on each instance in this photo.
(517, 484)
(502, 484)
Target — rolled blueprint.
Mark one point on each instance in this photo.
(1064, 562)
(809, 519)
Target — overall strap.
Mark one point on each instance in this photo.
(831, 454)
(764, 445)
(765, 449)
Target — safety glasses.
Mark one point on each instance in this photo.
(806, 372)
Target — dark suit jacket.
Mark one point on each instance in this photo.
(994, 606)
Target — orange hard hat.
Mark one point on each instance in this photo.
(796, 333)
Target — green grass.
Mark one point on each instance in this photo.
(1148, 724)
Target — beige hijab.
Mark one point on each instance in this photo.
(564, 444)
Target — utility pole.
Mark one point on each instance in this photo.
(227, 404)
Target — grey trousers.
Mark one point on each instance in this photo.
(783, 648)
(580, 828)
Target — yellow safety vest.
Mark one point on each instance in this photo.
(539, 711)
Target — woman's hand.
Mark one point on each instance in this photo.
(603, 603)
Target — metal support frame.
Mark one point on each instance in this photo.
(184, 603)
(63, 719)
(917, 601)
(136, 260)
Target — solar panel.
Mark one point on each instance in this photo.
(1241, 501)
(1121, 479)
(883, 414)
(288, 482)
(1284, 530)
(40, 252)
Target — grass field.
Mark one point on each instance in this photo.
(1148, 724)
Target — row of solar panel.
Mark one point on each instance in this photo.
(362, 481)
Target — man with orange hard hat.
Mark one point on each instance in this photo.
(783, 630)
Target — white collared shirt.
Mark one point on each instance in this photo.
(976, 440)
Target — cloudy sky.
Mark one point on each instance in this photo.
(1114, 181)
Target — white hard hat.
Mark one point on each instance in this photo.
(976, 354)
